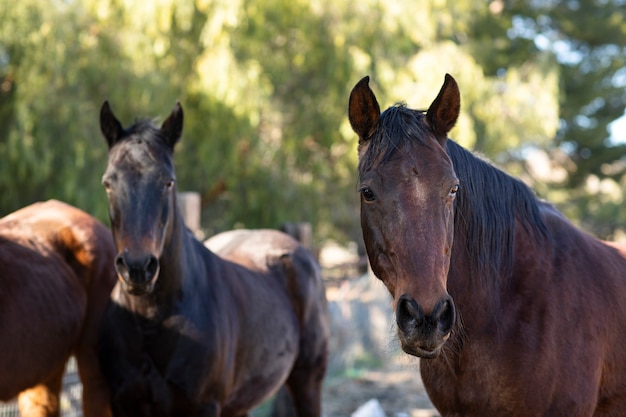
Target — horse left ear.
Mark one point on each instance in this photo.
(172, 127)
(363, 110)
(110, 127)
(444, 110)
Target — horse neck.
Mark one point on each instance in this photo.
(472, 296)
(176, 260)
(495, 214)
(187, 264)
(481, 299)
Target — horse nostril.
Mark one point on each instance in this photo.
(120, 264)
(446, 315)
(408, 314)
(152, 266)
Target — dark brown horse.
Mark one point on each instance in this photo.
(191, 333)
(55, 281)
(525, 314)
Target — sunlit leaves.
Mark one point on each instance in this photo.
(264, 86)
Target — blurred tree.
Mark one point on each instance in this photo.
(264, 86)
(305, 70)
(587, 38)
(45, 104)
(60, 61)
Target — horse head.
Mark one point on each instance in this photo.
(408, 188)
(141, 185)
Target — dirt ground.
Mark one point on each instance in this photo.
(366, 360)
(398, 388)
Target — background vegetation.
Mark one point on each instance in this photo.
(264, 85)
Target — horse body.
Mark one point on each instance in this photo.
(539, 323)
(192, 333)
(56, 279)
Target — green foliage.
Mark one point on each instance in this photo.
(264, 88)
(587, 38)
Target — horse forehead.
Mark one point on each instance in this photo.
(430, 155)
(422, 162)
(139, 158)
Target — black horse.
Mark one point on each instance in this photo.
(189, 332)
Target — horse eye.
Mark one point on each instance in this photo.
(454, 190)
(169, 185)
(106, 184)
(368, 194)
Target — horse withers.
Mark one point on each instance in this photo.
(55, 281)
(513, 310)
(189, 332)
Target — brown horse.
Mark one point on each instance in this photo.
(55, 281)
(191, 333)
(524, 315)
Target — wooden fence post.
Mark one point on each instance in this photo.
(189, 204)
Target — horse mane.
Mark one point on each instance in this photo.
(487, 206)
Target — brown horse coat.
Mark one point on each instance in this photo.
(55, 281)
(513, 310)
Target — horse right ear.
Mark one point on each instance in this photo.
(110, 127)
(444, 110)
(363, 110)
(172, 127)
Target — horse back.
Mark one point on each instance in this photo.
(80, 240)
(270, 252)
(258, 250)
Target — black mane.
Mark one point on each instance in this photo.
(487, 206)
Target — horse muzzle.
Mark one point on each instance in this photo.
(423, 335)
(138, 274)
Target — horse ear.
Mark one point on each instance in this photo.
(363, 110)
(110, 127)
(172, 127)
(444, 110)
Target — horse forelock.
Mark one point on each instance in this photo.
(142, 145)
(398, 127)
